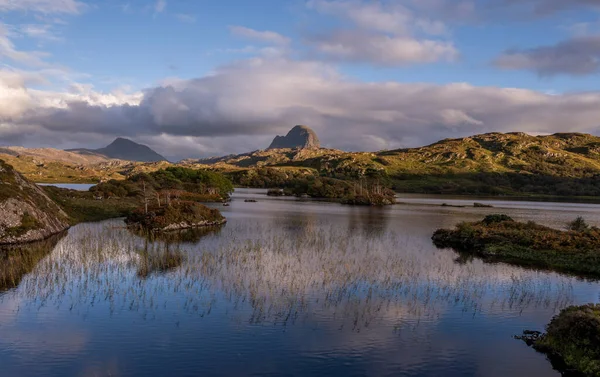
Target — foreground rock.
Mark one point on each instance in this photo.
(177, 216)
(27, 214)
(301, 137)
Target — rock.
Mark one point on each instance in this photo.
(27, 214)
(301, 137)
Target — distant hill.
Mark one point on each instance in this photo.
(124, 149)
(565, 164)
(301, 137)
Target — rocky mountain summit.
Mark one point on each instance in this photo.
(27, 214)
(301, 137)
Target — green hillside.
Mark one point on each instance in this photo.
(495, 164)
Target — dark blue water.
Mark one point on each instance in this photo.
(292, 288)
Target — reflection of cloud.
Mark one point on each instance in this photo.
(46, 340)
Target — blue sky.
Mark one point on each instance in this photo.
(197, 78)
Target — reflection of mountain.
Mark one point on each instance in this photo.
(16, 261)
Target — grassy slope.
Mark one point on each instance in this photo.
(81, 206)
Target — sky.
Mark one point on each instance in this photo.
(208, 78)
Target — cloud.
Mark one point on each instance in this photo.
(547, 7)
(269, 37)
(187, 18)
(240, 107)
(43, 6)
(389, 18)
(160, 6)
(40, 31)
(382, 49)
(386, 34)
(10, 52)
(577, 56)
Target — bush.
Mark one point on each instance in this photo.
(180, 214)
(493, 219)
(578, 225)
(498, 238)
(275, 192)
(574, 337)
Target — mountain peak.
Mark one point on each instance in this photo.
(124, 149)
(301, 137)
(121, 141)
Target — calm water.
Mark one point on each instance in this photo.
(293, 288)
(72, 186)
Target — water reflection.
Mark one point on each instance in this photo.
(18, 260)
(280, 276)
(286, 287)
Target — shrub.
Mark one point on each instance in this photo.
(578, 225)
(574, 337)
(498, 218)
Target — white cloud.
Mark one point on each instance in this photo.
(40, 31)
(188, 18)
(269, 37)
(382, 49)
(262, 97)
(160, 6)
(391, 18)
(43, 6)
(10, 52)
(388, 34)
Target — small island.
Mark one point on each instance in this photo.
(498, 238)
(177, 215)
(363, 193)
(115, 198)
(571, 341)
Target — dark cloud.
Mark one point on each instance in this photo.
(577, 56)
(547, 7)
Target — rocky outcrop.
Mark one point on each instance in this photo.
(27, 214)
(299, 137)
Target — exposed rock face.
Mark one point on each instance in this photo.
(299, 137)
(124, 149)
(26, 213)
